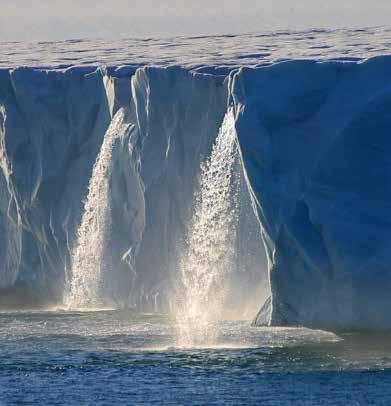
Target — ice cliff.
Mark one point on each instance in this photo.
(52, 126)
(315, 141)
(314, 151)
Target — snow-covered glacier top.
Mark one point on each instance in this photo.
(222, 50)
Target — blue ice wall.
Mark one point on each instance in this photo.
(316, 145)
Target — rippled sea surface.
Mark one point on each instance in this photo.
(117, 357)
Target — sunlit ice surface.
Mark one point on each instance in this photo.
(59, 357)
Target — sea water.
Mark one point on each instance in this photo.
(119, 357)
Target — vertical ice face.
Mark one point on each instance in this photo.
(210, 245)
(51, 127)
(177, 115)
(317, 151)
(56, 210)
(90, 254)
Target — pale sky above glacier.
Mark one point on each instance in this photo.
(66, 19)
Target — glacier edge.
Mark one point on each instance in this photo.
(314, 146)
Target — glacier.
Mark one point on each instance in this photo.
(313, 168)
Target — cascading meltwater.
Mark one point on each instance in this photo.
(210, 244)
(89, 253)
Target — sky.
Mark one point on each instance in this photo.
(22, 20)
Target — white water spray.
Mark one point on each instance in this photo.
(210, 244)
(88, 255)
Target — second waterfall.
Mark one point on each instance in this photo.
(89, 255)
(210, 244)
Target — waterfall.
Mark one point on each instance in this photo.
(88, 254)
(210, 244)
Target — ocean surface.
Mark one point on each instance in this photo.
(118, 357)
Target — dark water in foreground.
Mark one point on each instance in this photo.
(116, 357)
